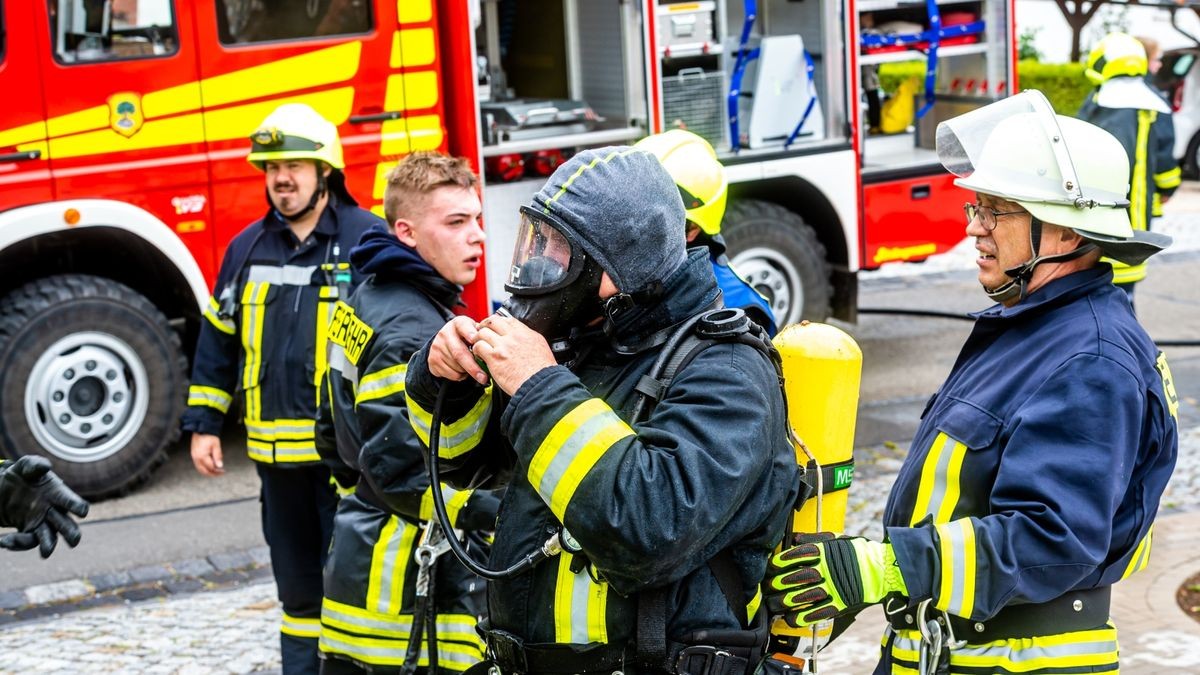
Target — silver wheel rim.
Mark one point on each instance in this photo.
(775, 278)
(86, 397)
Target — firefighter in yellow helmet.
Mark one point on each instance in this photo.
(264, 337)
(693, 165)
(1124, 105)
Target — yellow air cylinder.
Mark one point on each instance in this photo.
(822, 367)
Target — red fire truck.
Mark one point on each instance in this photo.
(123, 172)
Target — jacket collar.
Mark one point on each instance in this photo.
(327, 224)
(1055, 294)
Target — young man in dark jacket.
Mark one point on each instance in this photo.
(265, 337)
(414, 273)
(670, 518)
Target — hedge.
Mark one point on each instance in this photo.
(1063, 83)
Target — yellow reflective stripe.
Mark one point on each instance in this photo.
(455, 501)
(209, 396)
(455, 627)
(580, 605)
(578, 172)
(210, 313)
(956, 545)
(1062, 651)
(300, 627)
(390, 652)
(1127, 274)
(752, 606)
(571, 449)
(939, 490)
(1141, 555)
(412, 47)
(259, 451)
(381, 384)
(458, 437)
(1168, 179)
(253, 297)
(419, 132)
(389, 563)
(1137, 181)
(296, 451)
(320, 353)
(414, 11)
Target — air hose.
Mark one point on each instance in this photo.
(552, 547)
(931, 313)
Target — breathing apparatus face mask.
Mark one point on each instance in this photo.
(554, 284)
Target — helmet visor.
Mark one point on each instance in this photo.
(543, 255)
(971, 146)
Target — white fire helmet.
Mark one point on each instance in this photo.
(1062, 170)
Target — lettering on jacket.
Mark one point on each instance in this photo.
(349, 332)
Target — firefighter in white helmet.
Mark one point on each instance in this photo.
(700, 177)
(1124, 105)
(265, 337)
(1032, 483)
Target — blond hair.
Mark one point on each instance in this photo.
(419, 174)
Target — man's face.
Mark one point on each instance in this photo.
(291, 183)
(1004, 247)
(445, 230)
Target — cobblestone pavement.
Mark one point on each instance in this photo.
(217, 632)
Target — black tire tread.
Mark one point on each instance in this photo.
(770, 222)
(25, 303)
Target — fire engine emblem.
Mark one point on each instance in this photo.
(125, 113)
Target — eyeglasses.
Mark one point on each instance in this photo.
(986, 214)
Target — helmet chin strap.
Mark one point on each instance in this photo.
(322, 188)
(1018, 284)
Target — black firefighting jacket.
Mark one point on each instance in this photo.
(363, 433)
(709, 471)
(271, 350)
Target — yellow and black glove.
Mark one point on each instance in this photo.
(823, 576)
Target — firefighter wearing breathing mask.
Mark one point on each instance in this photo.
(1034, 478)
(1125, 105)
(264, 336)
(671, 519)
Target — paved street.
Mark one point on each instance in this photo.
(197, 597)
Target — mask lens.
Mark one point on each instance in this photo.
(542, 256)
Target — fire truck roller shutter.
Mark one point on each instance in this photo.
(782, 258)
(90, 377)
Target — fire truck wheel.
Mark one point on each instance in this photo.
(91, 376)
(1191, 160)
(780, 255)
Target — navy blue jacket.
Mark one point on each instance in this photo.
(272, 351)
(1039, 463)
(710, 470)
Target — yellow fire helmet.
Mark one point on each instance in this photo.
(1117, 54)
(296, 131)
(693, 165)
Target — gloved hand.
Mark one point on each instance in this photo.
(824, 575)
(37, 502)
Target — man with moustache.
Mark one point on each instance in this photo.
(265, 338)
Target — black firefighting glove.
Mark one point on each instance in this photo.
(824, 576)
(36, 501)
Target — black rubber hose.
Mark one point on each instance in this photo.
(439, 506)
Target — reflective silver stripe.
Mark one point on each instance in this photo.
(569, 450)
(396, 555)
(285, 275)
(452, 436)
(580, 591)
(300, 627)
(339, 362)
(298, 429)
(300, 449)
(1001, 653)
(371, 651)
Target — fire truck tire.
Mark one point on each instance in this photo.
(781, 256)
(91, 376)
(1191, 161)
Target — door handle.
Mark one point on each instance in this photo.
(20, 156)
(921, 191)
(376, 117)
